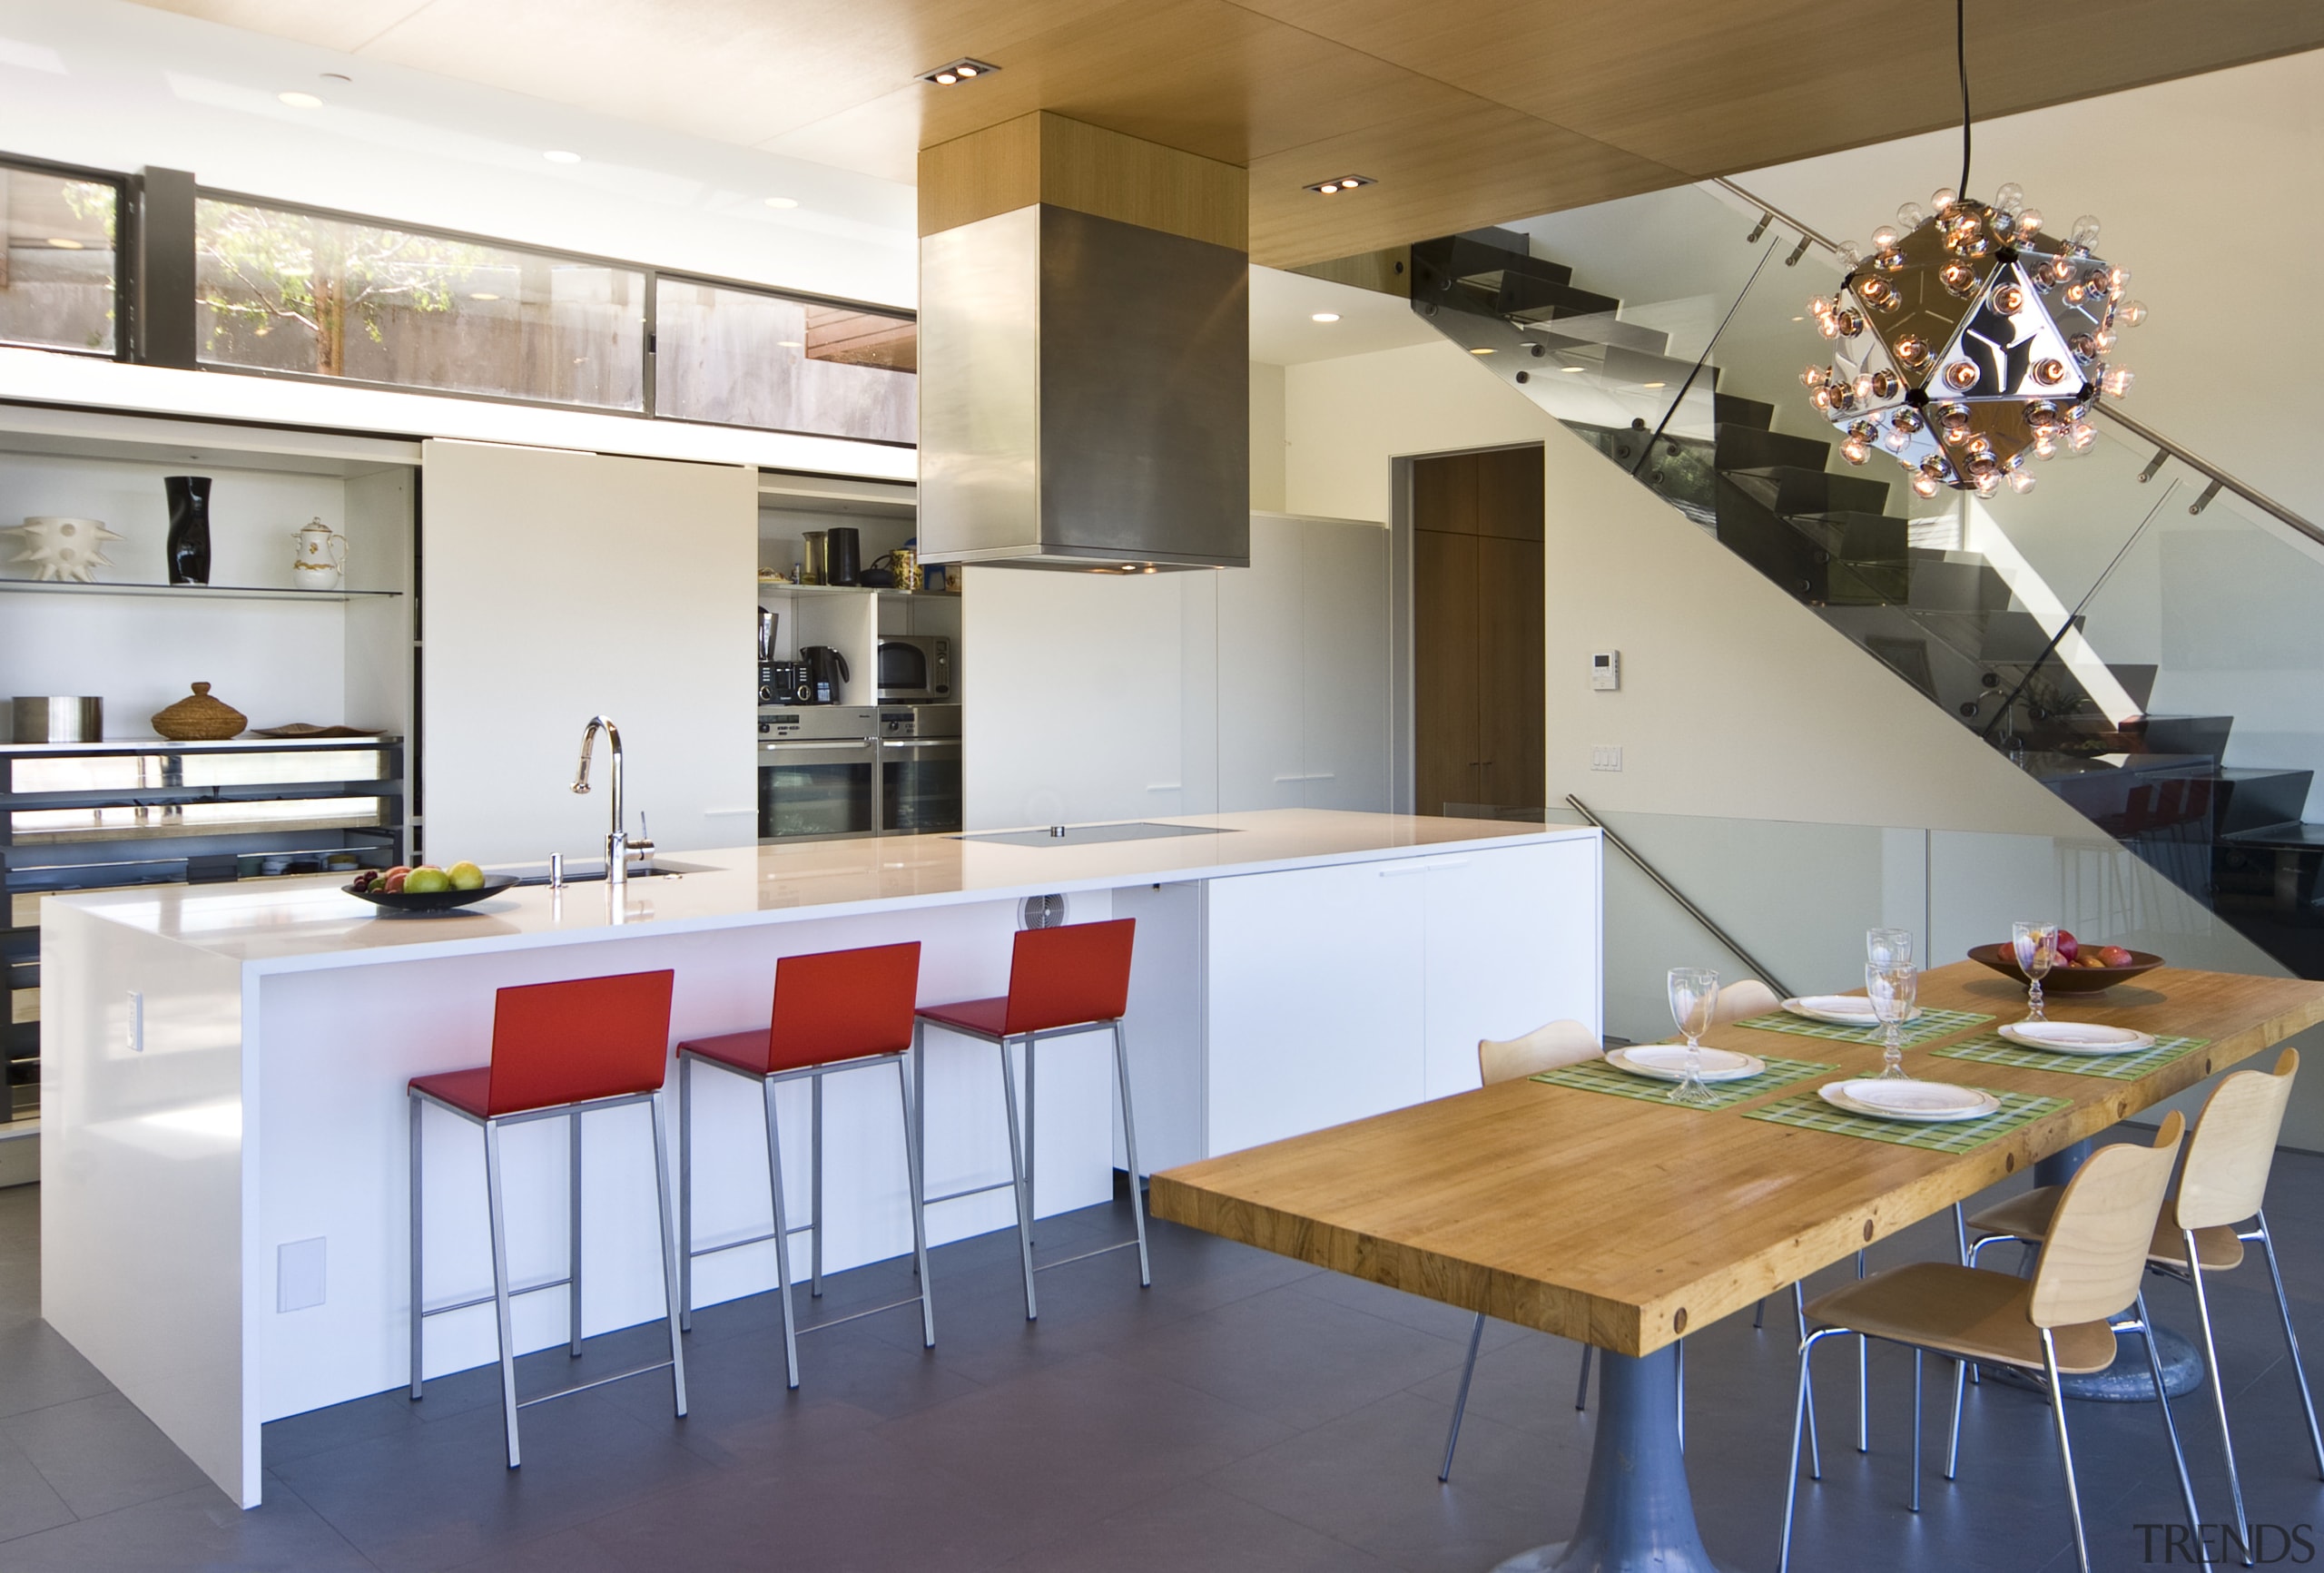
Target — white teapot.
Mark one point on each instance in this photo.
(321, 560)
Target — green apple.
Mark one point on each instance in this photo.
(426, 879)
(464, 876)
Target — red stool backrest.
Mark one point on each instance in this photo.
(842, 1005)
(592, 1037)
(1064, 976)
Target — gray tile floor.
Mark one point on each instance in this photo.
(1245, 1413)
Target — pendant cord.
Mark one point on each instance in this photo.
(1961, 55)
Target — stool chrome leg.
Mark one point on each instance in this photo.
(1032, 1150)
(1952, 1449)
(918, 1110)
(1863, 1381)
(1582, 1388)
(572, 1237)
(499, 1222)
(417, 1314)
(1129, 1146)
(1916, 1430)
(1683, 1395)
(815, 1187)
(782, 1239)
(1461, 1399)
(669, 1256)
(919, 1222)
(1017, 1173)
(2291, 1339)
(685, 1193)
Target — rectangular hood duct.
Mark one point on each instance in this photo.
(1084, 355)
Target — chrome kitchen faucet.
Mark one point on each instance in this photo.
(618, 846)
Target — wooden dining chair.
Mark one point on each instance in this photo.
(1745, 997)
(2064, 1319)
(2218, 1211)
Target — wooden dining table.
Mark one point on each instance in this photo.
(1628, 1223)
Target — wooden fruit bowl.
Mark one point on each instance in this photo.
(2003, 960)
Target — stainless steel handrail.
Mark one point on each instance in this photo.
(1672, 891)
(2137, 428)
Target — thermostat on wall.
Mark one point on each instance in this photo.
(1606, 670)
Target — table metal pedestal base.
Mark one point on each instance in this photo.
(1637, 1513)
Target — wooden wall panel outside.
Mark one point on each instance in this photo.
(1626, 1222)
(1444, 670)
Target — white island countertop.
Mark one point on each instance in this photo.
(309, 922)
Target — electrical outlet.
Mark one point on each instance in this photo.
(1605, 756)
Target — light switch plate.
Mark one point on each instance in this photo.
(299, 1274)
(1606, 756)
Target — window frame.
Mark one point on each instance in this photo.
(652, 274)
(125, 246)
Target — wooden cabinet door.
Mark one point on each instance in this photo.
(1315, 998)
(1444, 671)
(1510, 722)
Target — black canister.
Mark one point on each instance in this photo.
(846, 556)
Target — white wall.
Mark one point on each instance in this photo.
(560, 585)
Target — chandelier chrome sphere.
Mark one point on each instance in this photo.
(1970, 341)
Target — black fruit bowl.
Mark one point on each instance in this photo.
(431, 901)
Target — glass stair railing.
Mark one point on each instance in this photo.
(2133, 632)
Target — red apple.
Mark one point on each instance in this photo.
(2115, 956)
(2068, 947)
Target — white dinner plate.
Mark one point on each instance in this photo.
(1667, 1062)
(1840, 1009)
(2077, 1036)
(1926, 1102)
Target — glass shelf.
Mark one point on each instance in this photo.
(193, 592)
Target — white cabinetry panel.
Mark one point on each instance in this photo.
(1512, 942)
(1345, 745)
(1262, 665)
(1315, 1007)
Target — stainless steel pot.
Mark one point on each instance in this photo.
(47, 718)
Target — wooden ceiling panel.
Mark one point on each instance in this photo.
(1469, 114)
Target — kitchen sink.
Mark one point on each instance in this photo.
(593, 871)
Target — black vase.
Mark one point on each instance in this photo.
(189, 549)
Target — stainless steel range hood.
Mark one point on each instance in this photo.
(1084, 376)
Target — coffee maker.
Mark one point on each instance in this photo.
(822, 669)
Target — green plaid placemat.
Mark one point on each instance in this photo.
(1597, 1076)
(1992, 1048)
(1932, 1024)
(1810, 1112)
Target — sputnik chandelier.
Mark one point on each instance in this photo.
(1970, 340)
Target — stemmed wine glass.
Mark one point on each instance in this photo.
(1887, 947)
(1694, 991)
(2036, 944)
(1894, 989)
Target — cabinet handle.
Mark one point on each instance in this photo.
(1421, 866)
(1311, 775)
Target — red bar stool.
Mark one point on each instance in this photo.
(837, 1010)
(559, 1050)
(1061, 980)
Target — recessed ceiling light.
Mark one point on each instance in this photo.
(1340, 183)
(1652, 385)
(1481, 350)
(786, 344)
(62, 244)
(957, 71)
(1325, 317)
(557, 155)
(1571, 369)
(300, 100)
(483, 295)
(783, 202)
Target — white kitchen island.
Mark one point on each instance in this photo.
(224, 1142)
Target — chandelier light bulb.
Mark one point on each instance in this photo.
(2084, 232)
(1852, 255)
(1911, 216)
(2029, 222)
(1943, 197)
(1958, 277)
(2130, 313)
(1913, 351)
(1908, 420)
(2009, 300)
(2117, 381)
(1886, 237)
(1895, 439)
(1925, 484)
(2081, 436)
(2020, 481)
(2046, 446)
(2117, 280)
(2010, 197)
(1813, 376)
(1855, 451)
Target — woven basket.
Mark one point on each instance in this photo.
(200, 719)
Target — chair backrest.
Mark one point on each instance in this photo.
(836, 1004)
(1065, 976)
(2234, 1145)
(1560, 1043)
(590, 1038)
(2096, 1251)
(1744, 997)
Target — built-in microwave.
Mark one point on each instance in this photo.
(915, 669)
